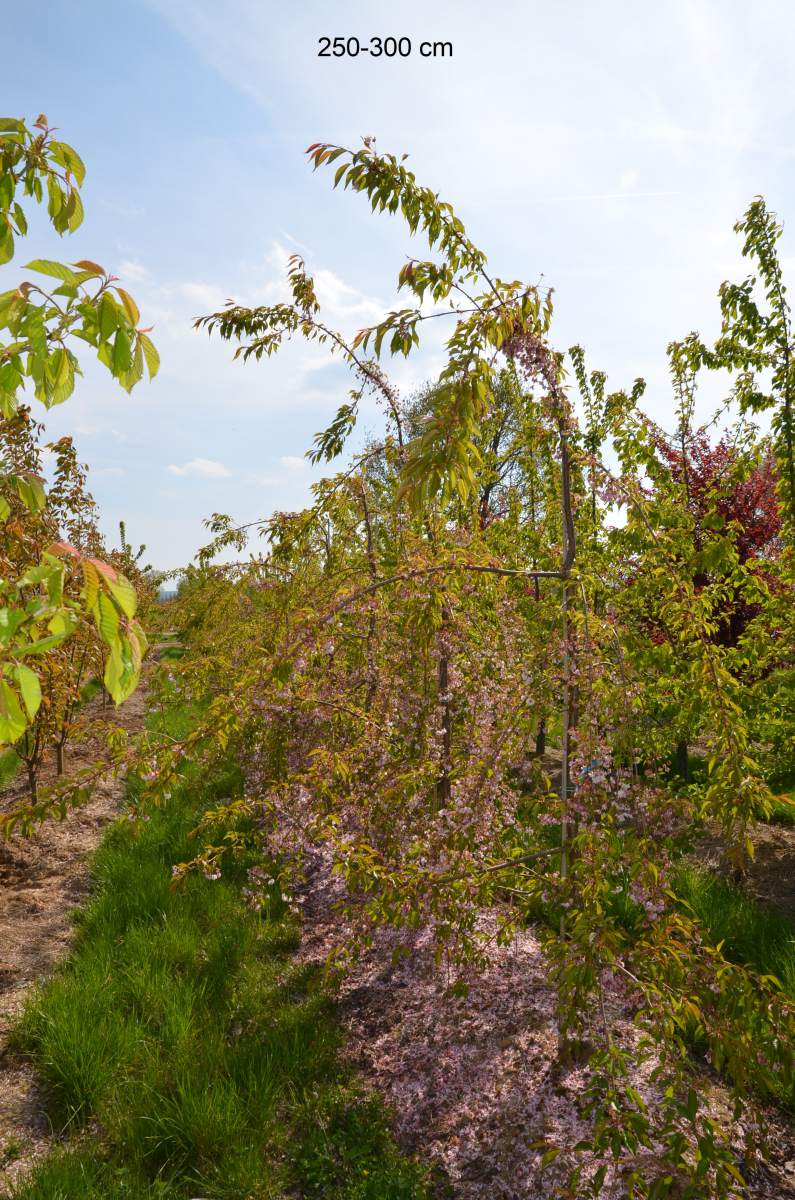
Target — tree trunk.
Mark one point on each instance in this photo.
(541, 738)
(443, 783)
(682, 761)
(569, 713)
(372, 678)
(565, 745)
(33, 783)
(59, 757)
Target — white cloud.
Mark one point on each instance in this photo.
(130, 268)
(96, 429)
(128, 211)
(293, 462)
(108, 471)
(203, 294)
(343, 302)
(343, 305)
(205, 467)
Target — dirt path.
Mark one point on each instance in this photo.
(42, 880)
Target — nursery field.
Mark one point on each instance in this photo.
(438, 839)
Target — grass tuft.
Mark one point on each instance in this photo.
(750, 933)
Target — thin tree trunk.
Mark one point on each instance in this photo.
(372, 676)
(568, 1049)
(564, 765)
(569, 552)
(682, 761)
(33, 783)
(443, 783)
(59, 757)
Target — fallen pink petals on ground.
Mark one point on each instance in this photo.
(474, 1082)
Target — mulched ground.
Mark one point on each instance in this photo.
(771, 876)
(476, 1083)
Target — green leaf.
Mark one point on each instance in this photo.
(75, 212)
(10, 621)
(63, 376)
(30, 490)
(107, 618)
(30, 689)
(112, 678)
(55, 584)
(36, 331)
(59, 366)
(38, 574)
(150, 354)
(63, 623)
(55, 201)
(130, 307)
(599, 1178)
(108, 315)
(123, 593)
(137, 632)
(129, 379)
(41, 646)
(68, 158)
(122, 357)
(6, 191)
(121, 671)
(6, 243)
(46, 266)
(12, 719)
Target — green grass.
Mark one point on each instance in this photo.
(189, 1050)
(172, 653)
(750, 933)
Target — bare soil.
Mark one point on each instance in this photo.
(43, 878)
(771, 876)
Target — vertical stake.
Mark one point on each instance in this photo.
(564, 766)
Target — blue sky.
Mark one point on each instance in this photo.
(606, 147)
